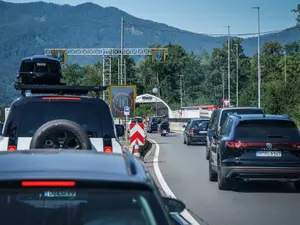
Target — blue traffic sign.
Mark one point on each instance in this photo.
(126, 111)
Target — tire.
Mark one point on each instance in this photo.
(53, 126)
(184, 141)
(207, 152)
(212, 175)
(297, 185)
(223, 183)
(188, 142)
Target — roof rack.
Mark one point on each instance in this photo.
(60, 89)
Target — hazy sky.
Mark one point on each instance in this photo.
(205, 16)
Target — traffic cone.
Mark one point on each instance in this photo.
(136, 150)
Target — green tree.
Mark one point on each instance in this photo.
(143, 110)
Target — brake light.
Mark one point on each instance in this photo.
(235, 144)
(296, 146)
(108, 149)
(48, 184)
(62, 98)
(191, 132)
(12, 148)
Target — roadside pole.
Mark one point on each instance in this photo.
(126, 113)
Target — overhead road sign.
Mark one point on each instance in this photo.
(60, 55)
(159, 55)
(121, 97)
(137, 133)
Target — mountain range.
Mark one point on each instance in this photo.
(27, 28)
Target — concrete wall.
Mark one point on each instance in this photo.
(175, 126)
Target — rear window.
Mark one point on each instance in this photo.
(200, 124)
(79, 207)
(139, 120)
(267, 129)
(92, 118)
(226, 113)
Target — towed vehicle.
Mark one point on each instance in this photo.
(195, 131)
(256, 148)
(79, 187)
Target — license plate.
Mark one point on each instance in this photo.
(202, 132)
(164, 131)
(268, 154)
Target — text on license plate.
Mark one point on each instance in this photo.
(202, 132)
(268, 153)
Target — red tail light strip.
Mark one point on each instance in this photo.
(240, 144)
(62, 98)
(48, 184)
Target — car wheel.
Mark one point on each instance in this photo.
(184, 141)
(188, 142)
(213, 176)
(61, 134)
(297, 185)
(207, 153)
(223, 183)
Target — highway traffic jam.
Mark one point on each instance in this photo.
(62, 161)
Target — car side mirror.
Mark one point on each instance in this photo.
(183, 126)
(120, 130)
(174, 205)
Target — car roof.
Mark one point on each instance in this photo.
(233, 108)
(65, 98)
(260, 117)
(71, 164)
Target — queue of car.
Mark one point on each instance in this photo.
(61, 161)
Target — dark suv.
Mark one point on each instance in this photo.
(60, 116)
(217, 119)
(153, 123)
(256, 147)
(81, 187)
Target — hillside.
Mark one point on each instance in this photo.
(28, 28)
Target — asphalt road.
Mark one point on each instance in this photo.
(185, 170)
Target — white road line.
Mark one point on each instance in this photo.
(165, 186)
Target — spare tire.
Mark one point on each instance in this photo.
(55, 128)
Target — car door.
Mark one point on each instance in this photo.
(186, 129)
(210, 126)
(214, 129)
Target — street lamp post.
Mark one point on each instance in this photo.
(237, 74)
(180, 91)
(155, 91)
(228, 63)
(285, 66)
(258, 55)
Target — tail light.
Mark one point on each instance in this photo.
(108, 149)
(296, 146)
(48, 183)
(191, 132)
(12, 148)
(235, 144)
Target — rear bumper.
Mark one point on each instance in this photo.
(284, 174)
(201, 139)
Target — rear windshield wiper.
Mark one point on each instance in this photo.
(277, 136)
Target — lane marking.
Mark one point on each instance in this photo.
(165, 186)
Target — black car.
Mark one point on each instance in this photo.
(79, 188)
(195, 131)
(153, 123)
(256, 147)
(219, 116)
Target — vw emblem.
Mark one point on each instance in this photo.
(269, 146)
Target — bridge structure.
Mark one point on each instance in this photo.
(108, 54)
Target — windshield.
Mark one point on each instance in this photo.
(268, 129)
(36, 114)
(79, 207)
(226, 113)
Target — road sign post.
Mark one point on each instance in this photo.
(126, 113)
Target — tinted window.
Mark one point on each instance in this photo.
(271, 129)
(227, 113)
(200, 124)
(79, 207)
(226, 127)
(87, 115)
